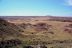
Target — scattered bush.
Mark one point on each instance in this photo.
(9, 43)
(27, 47)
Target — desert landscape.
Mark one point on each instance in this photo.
(35, 32)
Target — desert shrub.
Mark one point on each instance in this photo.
(5, 24)
(43, 46)
(9, 43)
(25, 25)
(36, 20)
(68, 30)
(42, 26)
(27, 42)
(32, 33)
(70, 25)
(61, 19)
(58, 47)
(21, 31)
(51, 32)
(27, 47)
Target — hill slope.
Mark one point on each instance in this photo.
(50, 31)
(8, 30)
(53, 28)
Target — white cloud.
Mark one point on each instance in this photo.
(68, 2)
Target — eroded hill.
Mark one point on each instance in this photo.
(38, 30)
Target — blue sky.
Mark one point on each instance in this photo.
(35, 7)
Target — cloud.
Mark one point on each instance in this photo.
(68, 2)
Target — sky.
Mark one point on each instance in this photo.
(35, 7)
